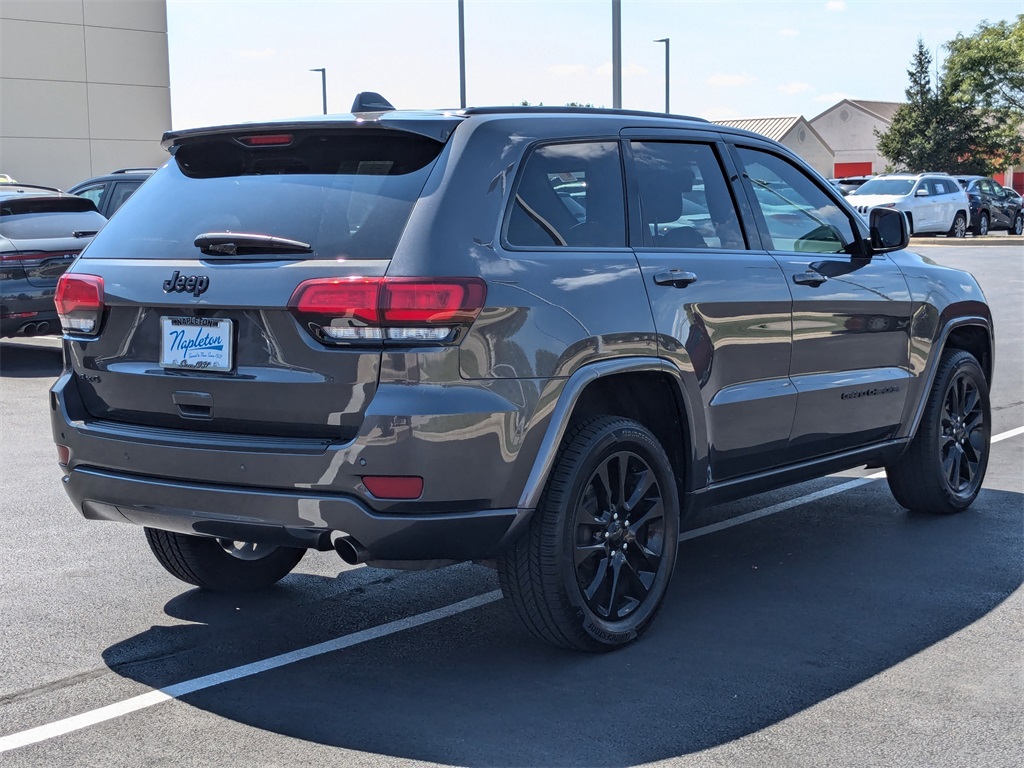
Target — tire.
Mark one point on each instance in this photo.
(1018, 224)
(221, 565)
(942, 470)
(981, 228)
(591, 571)
(959, 228)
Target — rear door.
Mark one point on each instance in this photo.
(851, 315)
(198, 332)
(721, 308)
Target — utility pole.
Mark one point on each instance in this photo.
(462, 54)
(323, 84)
(616, 54)
(665, 41)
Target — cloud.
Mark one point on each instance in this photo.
(730, 81)
(789, 32)
(832, 98)
(794, 88)
(567, 70)
(835, 5)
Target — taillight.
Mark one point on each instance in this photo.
(398, 309)
(36, 255)
(79, 301)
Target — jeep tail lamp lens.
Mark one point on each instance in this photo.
(79, 301)
(398, 309)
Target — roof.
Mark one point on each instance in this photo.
(435, 124)
(772, 127)
(883, 110)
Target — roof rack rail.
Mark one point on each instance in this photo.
(497, 110)
(132, 170)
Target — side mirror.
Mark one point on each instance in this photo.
(922, 192)
(889, 230)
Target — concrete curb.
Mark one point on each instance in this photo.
(970, 240)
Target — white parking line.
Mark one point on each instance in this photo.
(143, 701)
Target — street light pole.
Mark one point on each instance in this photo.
(323, 84)
(665, 41)
(616, 54)
(462, 54)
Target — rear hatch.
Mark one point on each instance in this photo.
(41, 235)
(199, 325)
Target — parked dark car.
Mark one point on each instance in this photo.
(42, 230)
(110, 192)
(401, 336)
(992, 207)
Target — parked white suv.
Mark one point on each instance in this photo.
(933, 202)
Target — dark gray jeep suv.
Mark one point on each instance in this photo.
(528, 336)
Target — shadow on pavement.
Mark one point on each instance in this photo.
(763, 621)
(21, 361)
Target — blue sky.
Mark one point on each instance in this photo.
(242, 60)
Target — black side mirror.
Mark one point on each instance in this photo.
(889, 231)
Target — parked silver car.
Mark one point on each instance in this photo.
(933, 202)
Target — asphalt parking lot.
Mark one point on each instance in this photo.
(817, 625)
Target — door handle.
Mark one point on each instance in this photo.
(811, 278)
(677, 278)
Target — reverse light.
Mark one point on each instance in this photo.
(79, 301)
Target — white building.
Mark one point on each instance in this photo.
(84, 88)
(849, 128)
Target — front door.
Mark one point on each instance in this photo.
(851, 315)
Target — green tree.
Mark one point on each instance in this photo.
(987, 68)
(940, 128)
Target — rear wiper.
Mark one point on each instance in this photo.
(246, 243)
(84, 232)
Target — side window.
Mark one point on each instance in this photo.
(570, 195)
(799, 216)
(122, 191)
(684, 197)
(94, 193)
(986, 186)
(937, 187)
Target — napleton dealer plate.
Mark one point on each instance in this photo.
(196, 343)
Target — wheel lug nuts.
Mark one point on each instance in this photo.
(615, 516)
(606, 534)
(626, 523)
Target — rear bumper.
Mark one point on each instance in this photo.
(285, 518)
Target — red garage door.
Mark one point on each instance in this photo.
(839, 170)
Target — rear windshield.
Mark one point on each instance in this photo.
(45, 226)
(885, 187)
(347, 195)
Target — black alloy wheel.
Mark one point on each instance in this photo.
(591, 571)
(982, 229)
(942, 470)
(620, 536)
(222, 565)
(964, 435)
(1018, 224)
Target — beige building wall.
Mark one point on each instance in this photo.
(810, 147)
(850, 131)
(84, 88)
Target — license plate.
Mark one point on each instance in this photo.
(196, 343)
